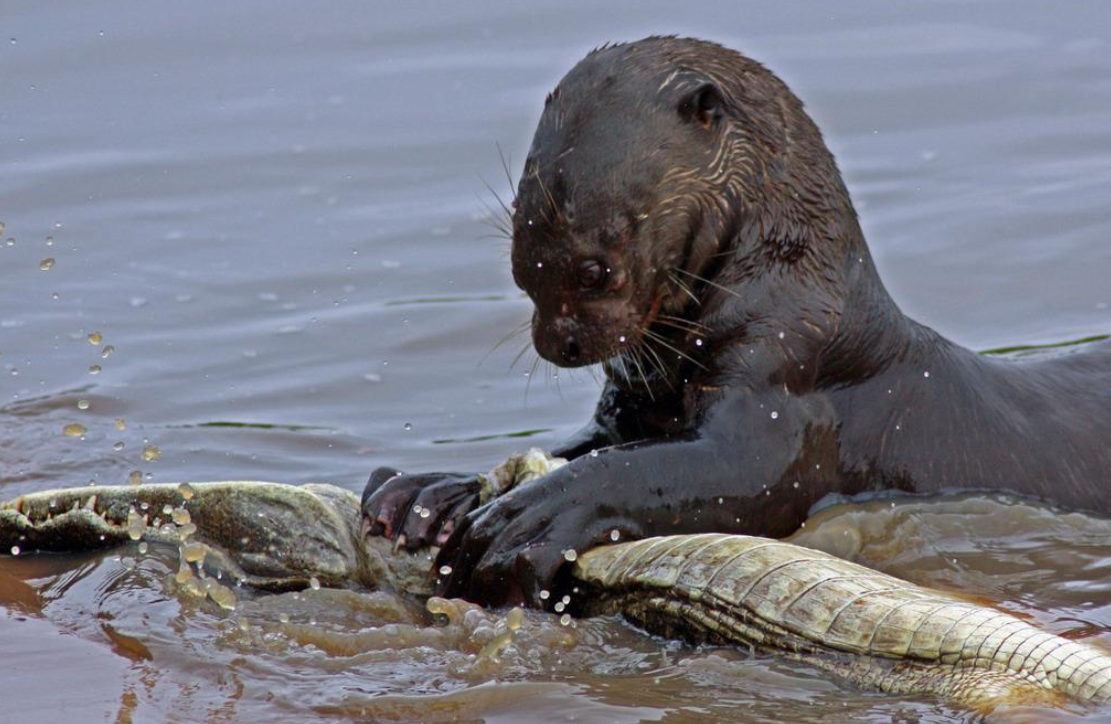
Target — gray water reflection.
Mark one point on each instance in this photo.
(240, 195)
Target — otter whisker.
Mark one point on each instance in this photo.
(516, 331)
(693, 327)
(497, 196)
(505, 163)
(592, 370)
(640, 372)
(684, 288)
(624, 365)
(531, 374)
(658, 363)
(704, 280)
(517, 358)
(556, 216)
(682, 320)
(551, 373)
(502, 233)
(494, 218)
(660, 340)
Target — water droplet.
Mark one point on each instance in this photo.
(425, 512)
(775, 415)
(136, 524)
(151, 453)
(408, 426)
(782, 335)
(118, 446)
(15, 550)
(314, 584)
(697, 342)
(74, 429)
(445, 570)
(181, 516)
(107, 351)
(221, 595)
(795, 485)
(120, 424)
(186, 491)
(194, 552)
(143, 548)
(135, 478)
(593, 453)
(184, 573)
(49, 239)
(621, 339)
(514, 619)
(283, 617)
(94, 369)
(46, 264)
(82, 404)
(570, 555)
(615, 535)
(544, 595)
(560, 605)
(95, 338)
(565, 620)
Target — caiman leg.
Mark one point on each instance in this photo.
(863, 626)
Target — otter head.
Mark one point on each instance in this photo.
(650, 162)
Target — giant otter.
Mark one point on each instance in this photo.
(681, 221)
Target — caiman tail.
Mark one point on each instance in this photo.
(861, 625)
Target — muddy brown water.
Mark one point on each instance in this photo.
(274, 213)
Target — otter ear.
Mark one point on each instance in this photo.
(705, 105)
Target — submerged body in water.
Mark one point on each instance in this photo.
(864, 627)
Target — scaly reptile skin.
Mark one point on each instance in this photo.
(863, 625)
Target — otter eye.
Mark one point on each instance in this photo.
(592, 274)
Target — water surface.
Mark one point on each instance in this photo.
(276, 215)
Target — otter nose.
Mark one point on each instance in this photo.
(572, 352)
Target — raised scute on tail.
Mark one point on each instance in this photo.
(813, 606)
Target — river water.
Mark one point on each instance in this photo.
(275, 214)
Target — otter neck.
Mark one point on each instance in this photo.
(872, 333)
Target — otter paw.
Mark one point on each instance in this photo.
(418, 510)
